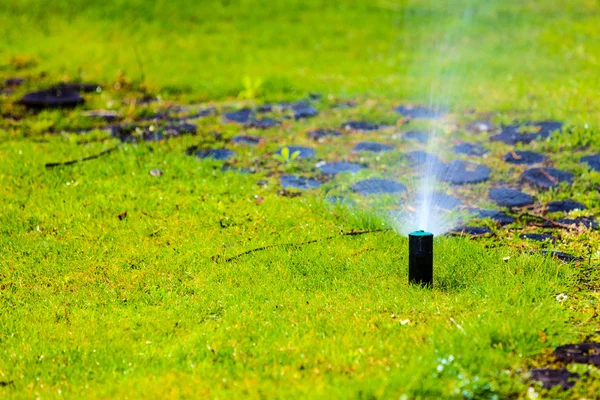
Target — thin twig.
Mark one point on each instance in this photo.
(92, 157)
(217, 258)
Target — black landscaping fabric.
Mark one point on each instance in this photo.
(521, 133)
(438, 200)
(242, 116)
(360, 126)
(378, 186)
(581, 353)
(318, 134)
(215, 154)
(421, 137)
(419, 158)
(568, 258)
(336, 167)
(592, 161)
(54, 97)
(247, 139)
(546, 178)
(418, 111)
(510, 197)
(539, 237)
(459, 172)
(497, 216)
(523, 157)
(554, 377)
(564, 206)
(470, 149)
(471, 230)
(298, 182)
(263, 123)
(372, 147)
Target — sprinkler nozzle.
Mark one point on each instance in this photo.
(420, 258)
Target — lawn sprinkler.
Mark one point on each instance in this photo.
(420, 258)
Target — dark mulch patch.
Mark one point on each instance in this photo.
(372, 147)
(554, 377)
(131, 133)
(417, 111)
(179, 114)
(497, 216)
(470, 149)
(564, 206)
(128, 133)
(174, 130)
(360, 126)
(106, 115)
(204, 112)
(522, 157)
(568, 258)
(304, 152)
(378, 186)
(512, 134)
(576, 222)
(421, 137)
(471, 231)
(51, 98)
(13, 82)
(510, 197)
(247, 139)
(298, 182)
(215, 154)
(264, 108)
(438, 200)
(581, 353)
(593, 161)
(263, 123)
(332, 168)
(146, 99)
(538, 237)
(318, 134)
(303, 110)
(460, 172)
(546, 178)
(422, 158)
(242, 116)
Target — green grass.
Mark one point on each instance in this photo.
(94, 306)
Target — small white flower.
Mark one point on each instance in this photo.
(532, 394)
(561, 297)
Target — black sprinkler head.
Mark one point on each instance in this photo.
(420, 258)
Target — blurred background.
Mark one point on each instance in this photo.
(500, 54)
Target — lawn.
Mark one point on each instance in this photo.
(118, 283)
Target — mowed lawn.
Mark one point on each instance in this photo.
(150, 305)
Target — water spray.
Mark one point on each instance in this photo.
(420, 258)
